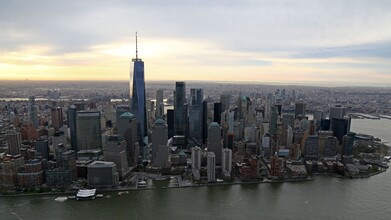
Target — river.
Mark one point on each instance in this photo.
(323, 198)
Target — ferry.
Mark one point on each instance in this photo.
(86, 194)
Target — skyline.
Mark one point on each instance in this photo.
(320, 42)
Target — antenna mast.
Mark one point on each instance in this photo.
(136, 47)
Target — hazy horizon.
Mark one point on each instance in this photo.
(306, 43)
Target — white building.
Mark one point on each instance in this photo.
(227, 162)
(211, 167)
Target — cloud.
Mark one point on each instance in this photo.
(274, 36)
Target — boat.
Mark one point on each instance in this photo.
(86, 194)
(61, 199)
(142, 184)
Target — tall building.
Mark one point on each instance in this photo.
(323, 136)
(300, 109)
(32, 112)
(179, 109)
(311, 147)
(57, 118)
(227, 162)
(217, 109)
(195, 116)
(215, 144)
(14, 142)
(88, 128)
(42, 147)
(196, 162)
(211, 167)
(115, 151)
(119, 110)
(159, 143)
(159, 103)
(196, 157)
(127, 128)
(204, 121)
(72, 110)
(337, 112)
(225, 100)
(170, 122)
(340, 127)
(138, 103)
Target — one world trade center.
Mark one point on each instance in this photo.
(138, 100)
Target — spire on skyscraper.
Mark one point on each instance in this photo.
(136, 59)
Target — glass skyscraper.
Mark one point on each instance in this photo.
(138, 101)
(179, 109)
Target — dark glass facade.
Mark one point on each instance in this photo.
(138, 107)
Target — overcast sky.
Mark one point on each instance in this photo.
(318, 42)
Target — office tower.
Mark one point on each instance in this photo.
(330, 147)
(72, 112)
(42, 148)
(266, 145)
(195, 117)
(288, 120)
(225, 102)
(217, 112)
(119, 110)
(196, 157)
(311, 147)
(159, 103)
(211, 167)
(337, 112)
(204, 121)
(88, 128)
(159, 143)
(32, 111)
(57, 118)
(115, 151)
(325, 124)
(127, 128)
(273, 121)
(102, 174)
(267, 110)
(323, 135)
(300, 108)
(65, 172)
(215, 144)
(278, 104)
(227, 162)
(14, 142)
(340, 127)
(289, 139)
(179, 108)
(170, 122)
(348, 142)
(138, 103)
(318, 115)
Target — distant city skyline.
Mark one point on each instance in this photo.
(308, 42)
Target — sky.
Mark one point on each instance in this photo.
(306, 42)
